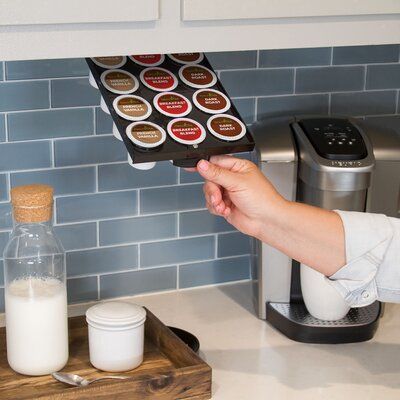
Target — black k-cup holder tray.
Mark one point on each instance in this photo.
(182, 155)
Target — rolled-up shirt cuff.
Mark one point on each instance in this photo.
(367, 237)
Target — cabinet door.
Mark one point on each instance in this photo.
(197, 10)
(28, 12)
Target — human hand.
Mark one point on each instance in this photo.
(237, 190)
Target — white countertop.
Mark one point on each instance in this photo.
(250, 360)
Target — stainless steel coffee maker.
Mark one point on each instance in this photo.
(334, 163)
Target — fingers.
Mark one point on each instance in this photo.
(219, 175)
(217, 201)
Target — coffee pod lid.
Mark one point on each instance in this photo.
(146, 134)
(131, 107)
(110, 62)
(148, 60)
(186, 58)
(226, 127)
(119, 81)
(159, 79)
(172, 104)
(211, 101)
(197, 76)
(186, 131)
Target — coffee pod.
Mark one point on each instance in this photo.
(146, 135)
(111, 62)
(186, 58)
(211, 101)
(132, 108)
(119, 81)
(197, 76)
(226, 127)
(172, 104)
(158, 79)
(92, 81)
(142, 166)
(116, 133)
(148, 60)
(103, 106)
(186, 131)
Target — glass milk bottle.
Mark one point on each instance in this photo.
(35, 286)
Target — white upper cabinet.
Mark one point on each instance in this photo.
(198, 10)
(38, 29)
(34, 12)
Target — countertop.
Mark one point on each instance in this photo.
(251, 360)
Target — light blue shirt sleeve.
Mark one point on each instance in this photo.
(372, 270)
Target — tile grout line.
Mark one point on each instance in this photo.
(331, 57)
(98, 287)
(53, 154)
(49, 89)
(153, 267)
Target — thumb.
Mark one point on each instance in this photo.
(214, 173)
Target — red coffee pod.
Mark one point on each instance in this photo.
(226, 127)
(197, 76)
(211, 101)
(110, 62)
(132, 108)
(148, 60)
(186, 131)
(159, 79)
(119, 81)
(172, 104)
(186, 58)
(146, 134)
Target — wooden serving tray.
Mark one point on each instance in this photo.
(170, 370)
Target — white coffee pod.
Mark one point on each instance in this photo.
(141, 166)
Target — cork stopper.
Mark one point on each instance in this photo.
(32, 203)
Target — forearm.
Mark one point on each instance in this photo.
(310, 235)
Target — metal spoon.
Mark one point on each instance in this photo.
(76, 380)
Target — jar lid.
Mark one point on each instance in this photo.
(116, 314)
(32, 203)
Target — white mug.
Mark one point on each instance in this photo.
(321, 299)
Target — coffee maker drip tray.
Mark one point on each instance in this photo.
(294, 321)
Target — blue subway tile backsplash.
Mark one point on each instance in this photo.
(383, 76)
(73, 93)
(129, 232)
(30, 95)
(64, 181)
(50, 124)
(138, 229)
(173, 198)
(96, 206)
(38, 69)
(77, 236)
(92, 150)
(330, 79)
(138, 282)
(215, 271)
(258, 82)
(3, 187)
(366, 54)
(362, 103)
(26, 155)
(295, 57)
(96, 261)
(123, 176)
(2, 128)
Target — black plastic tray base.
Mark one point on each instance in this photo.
(294, 321)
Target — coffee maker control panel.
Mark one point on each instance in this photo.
(334, 138)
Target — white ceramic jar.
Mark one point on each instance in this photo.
(116, 335)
